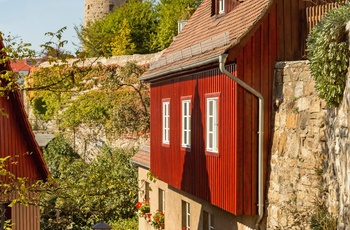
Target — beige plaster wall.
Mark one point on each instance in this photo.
(173, 213)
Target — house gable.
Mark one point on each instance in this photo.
(17, 138)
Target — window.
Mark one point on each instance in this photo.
(208, 222)
(147, 191)
(161, 200)
(166, 120)
(186, 122)
(111, 7)
(221, 6)
(212, 123)
(186, 220)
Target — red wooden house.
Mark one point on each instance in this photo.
(18, 141)
(211, 104)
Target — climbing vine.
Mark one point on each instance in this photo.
(328, 52)
(93, 96)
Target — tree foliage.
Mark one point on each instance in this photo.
(129, 29)
(328, 52)
(82, 194)
(136, 27)
(169, 13)
(110, 96)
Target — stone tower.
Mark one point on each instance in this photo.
(96, 9)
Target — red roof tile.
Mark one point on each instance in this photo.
(142, 157)
(202, 28)
(20, 65)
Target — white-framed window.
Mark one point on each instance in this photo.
(212, 137)
(186, 123)
(166, 121)
(161, 200)
(221, 6)
(208, 221)
(186, 216)
(147, 191)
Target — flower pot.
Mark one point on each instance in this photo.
(148, 217)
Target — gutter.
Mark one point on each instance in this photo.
(132, 163)
(222, 61)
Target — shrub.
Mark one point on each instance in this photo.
(328, 52)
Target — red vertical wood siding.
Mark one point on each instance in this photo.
(14, 143)
(229, 180)
(25, 217)
(293, 27)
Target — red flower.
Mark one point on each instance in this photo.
(138, 205)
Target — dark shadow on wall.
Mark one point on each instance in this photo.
(195, 176)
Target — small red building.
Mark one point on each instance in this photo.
(211, 106)
(18, 141)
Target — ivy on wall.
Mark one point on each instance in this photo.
(111, 96)
(328, 52)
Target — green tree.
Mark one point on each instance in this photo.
(86, 193)
(122, 43)
(133, 24)
(113, 97)
(169, 13)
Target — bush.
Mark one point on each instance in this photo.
(328, 52)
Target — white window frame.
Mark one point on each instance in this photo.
(187, 215)
(212, 124)
(221, 6)
(166, 121)
(186, 123)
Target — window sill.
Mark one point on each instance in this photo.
(211, 153)
(186, 149)
(167, 145)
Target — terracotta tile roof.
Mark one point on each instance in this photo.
(20, 65)
(201, 29)
(142, 157)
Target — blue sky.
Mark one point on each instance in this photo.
(31, 19)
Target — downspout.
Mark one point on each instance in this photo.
(222, 61)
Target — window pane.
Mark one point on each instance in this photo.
(212, 124)
(205, 221)
(210, 108)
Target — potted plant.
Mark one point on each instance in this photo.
(143, 208)
(158, 220)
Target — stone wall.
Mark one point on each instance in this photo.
(296, 161)
(88, 141)
(337, 166)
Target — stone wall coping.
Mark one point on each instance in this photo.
(140, 59)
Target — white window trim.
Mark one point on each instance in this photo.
(212, 125)
(188, 216)
(221, 6)
(186, 123)
(166, 121)
(211, 226)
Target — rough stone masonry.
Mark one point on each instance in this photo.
(309, 160)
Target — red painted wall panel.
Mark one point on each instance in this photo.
(13, 143)
(228, 180)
